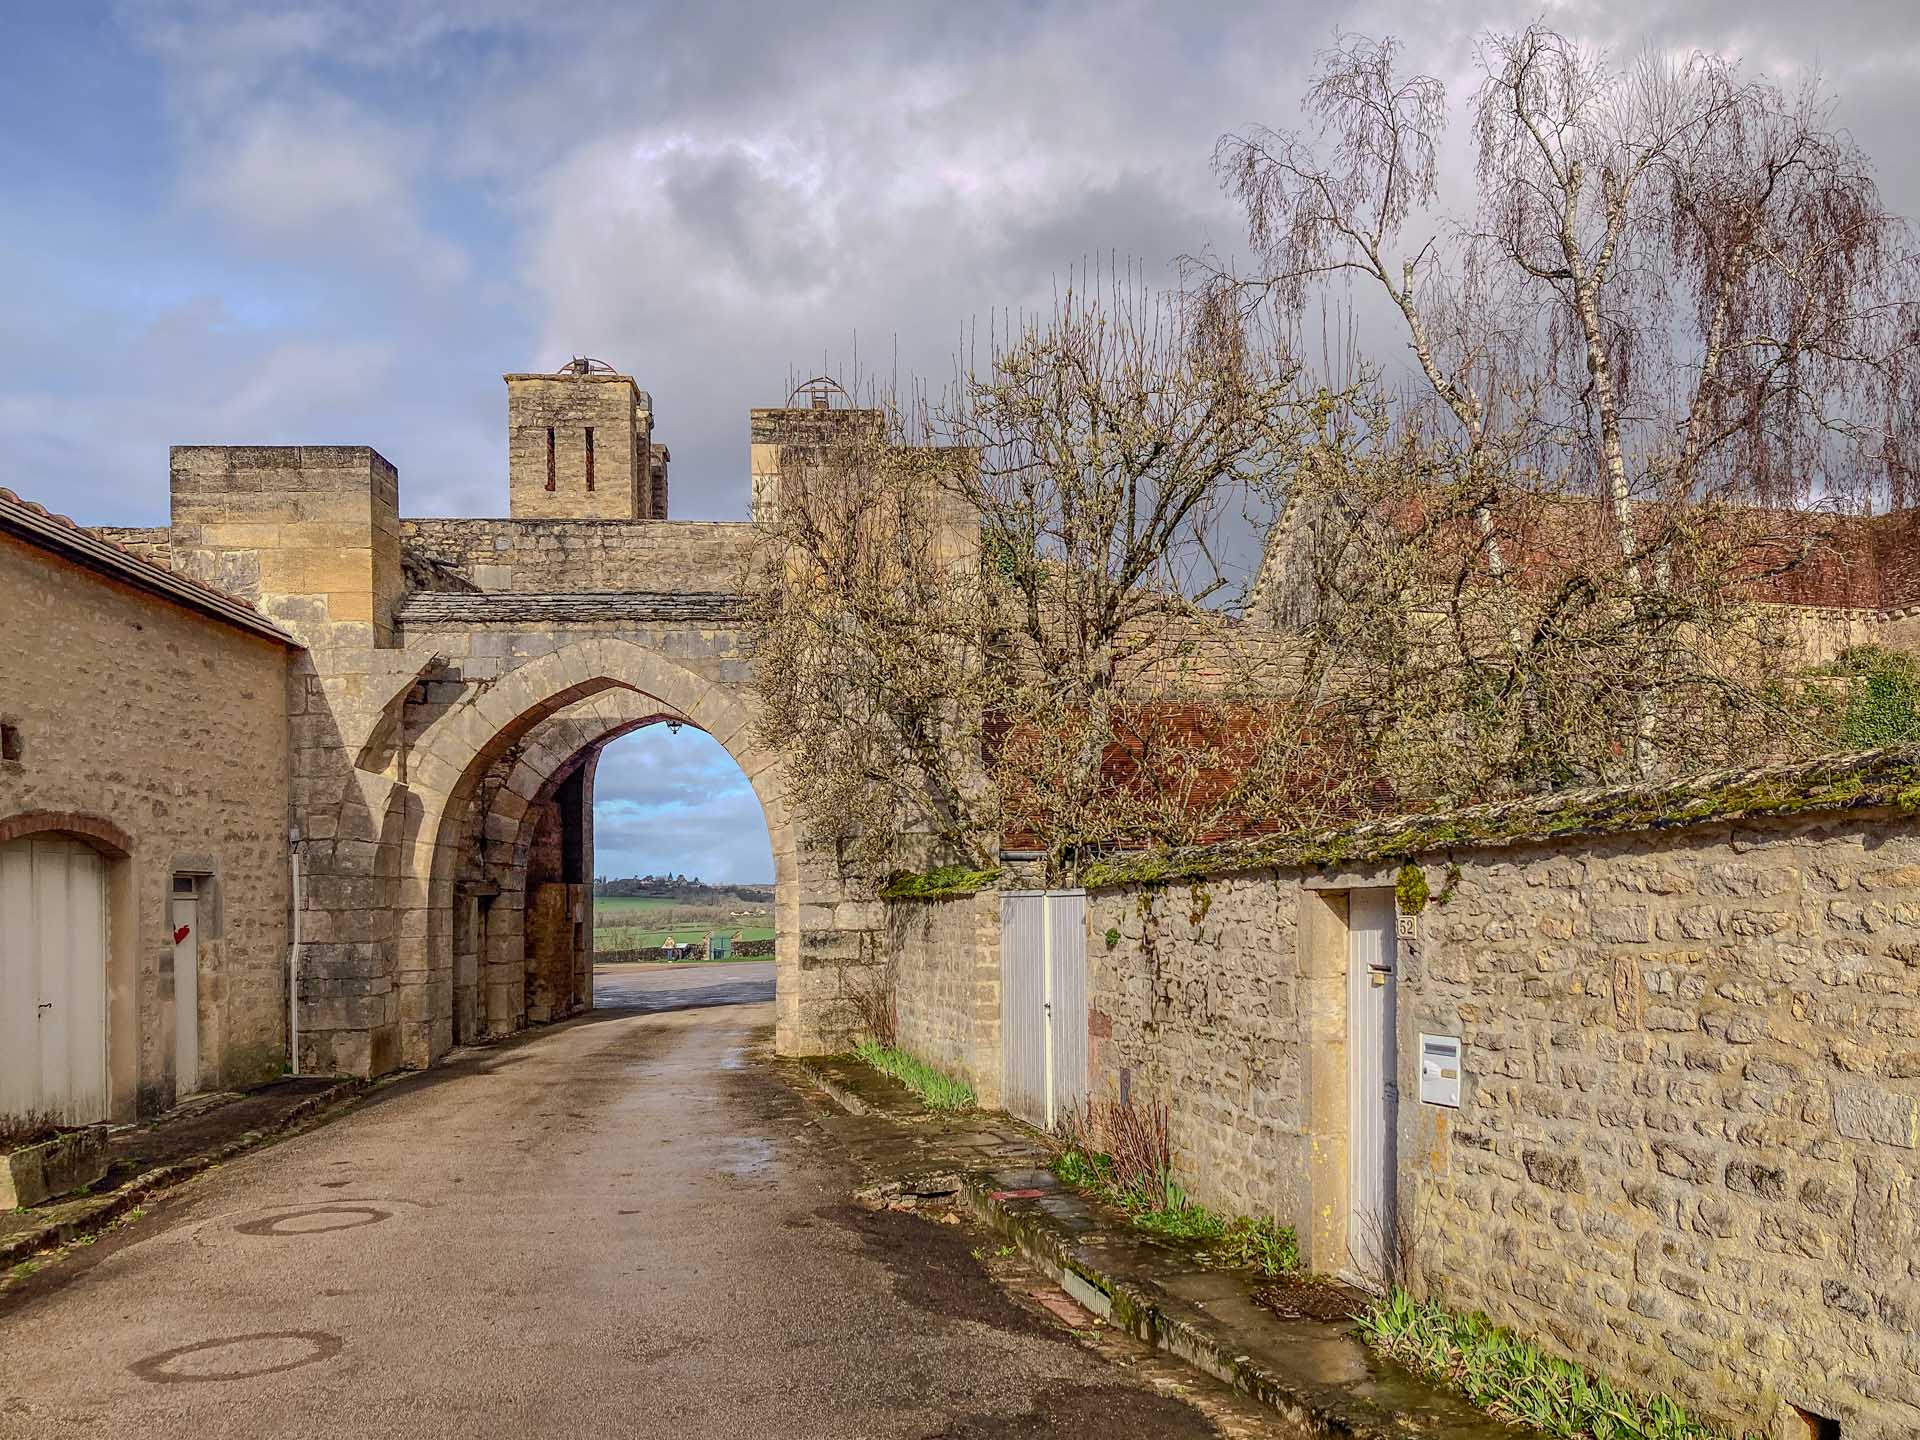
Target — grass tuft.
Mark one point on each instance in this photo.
(1515, 1379)
(941, 1092)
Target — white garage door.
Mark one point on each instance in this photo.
(53, 979)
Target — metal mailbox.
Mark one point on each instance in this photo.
(1440, 1070)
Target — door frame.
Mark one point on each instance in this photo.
(196, 894)
(1371, 1260)
(1324, 950)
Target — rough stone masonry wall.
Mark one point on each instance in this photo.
(945, 975)
(1196, 1003)
(542, 557)
(172, 727)
(1688, 1148)
(1690, 1139)
(154, 543)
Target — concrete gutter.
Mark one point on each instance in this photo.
(88, 1215)
(1315, 1373)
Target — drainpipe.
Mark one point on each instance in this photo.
(293, 960)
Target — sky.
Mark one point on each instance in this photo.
(675, 803)
(341, 223)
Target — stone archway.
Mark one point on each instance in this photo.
(507, 973)
(449, 757)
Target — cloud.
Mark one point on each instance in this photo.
(341, 220)
(321, 181)
(677, 803)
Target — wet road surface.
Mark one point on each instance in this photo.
(622, 1226)
(682, 986)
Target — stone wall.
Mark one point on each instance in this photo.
(555, 556)
(1198, 1003)
(1688, 1145)
(1692, 1130)
(171, 727)
(581, 435)
(944, 958)
(308, 533)
(696, 950)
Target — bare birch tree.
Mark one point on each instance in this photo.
(1678, 301)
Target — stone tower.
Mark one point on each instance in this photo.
(580, 446)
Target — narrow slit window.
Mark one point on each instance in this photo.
(589, 457)
(10, 746)
(550, 477)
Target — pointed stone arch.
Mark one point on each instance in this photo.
(449, 757)
(500, 983)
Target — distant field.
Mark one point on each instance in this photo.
(640, 922)
(627, 909)
(624, 939)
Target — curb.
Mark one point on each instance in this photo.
(836, 1092)
(1313, 1405)
(1147, 1314)
(116, 1203)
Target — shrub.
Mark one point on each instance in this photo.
(940, 1092)
(1880, 703)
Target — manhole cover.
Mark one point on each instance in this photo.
(238, 1357)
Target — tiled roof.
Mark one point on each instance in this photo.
(40, 526)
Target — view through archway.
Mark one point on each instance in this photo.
(683, 875)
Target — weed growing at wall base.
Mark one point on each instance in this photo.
(941, 1092)
(1164, 1209)
(1516, 1380)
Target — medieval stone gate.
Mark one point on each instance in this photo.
(458, 682)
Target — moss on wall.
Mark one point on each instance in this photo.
(1875, 779)
(944, 882)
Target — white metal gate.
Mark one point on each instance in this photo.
(1373, 1083)
(1043, 1003)
(53, 979)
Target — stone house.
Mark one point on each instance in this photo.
(143, 829)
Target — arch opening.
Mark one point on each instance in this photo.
(681, 852)
(487, 778)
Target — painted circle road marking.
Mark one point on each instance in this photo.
(314, 1220)
(238, 1357)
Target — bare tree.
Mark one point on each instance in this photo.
(1075, 650)
(1679, 297)
(1117, 440)
(870, 616)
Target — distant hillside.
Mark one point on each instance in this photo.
(684, 889)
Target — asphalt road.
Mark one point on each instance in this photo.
(623, 1226)
(683, 986)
